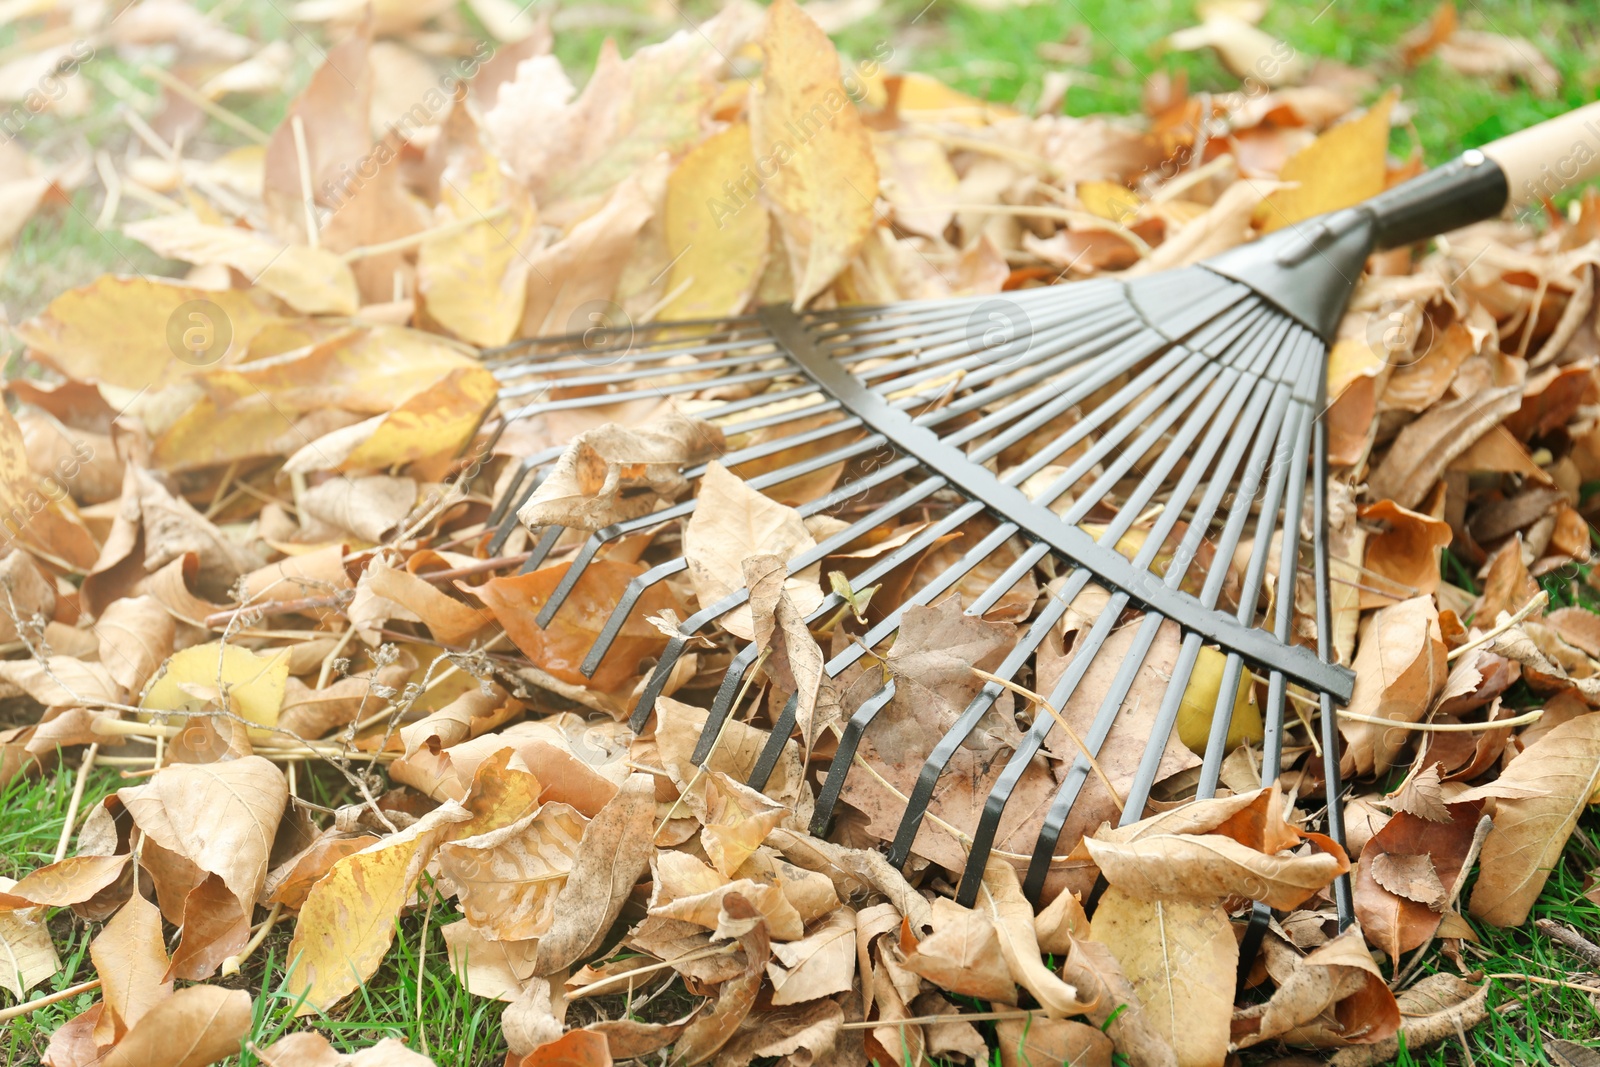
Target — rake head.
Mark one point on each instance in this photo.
(1122, 468)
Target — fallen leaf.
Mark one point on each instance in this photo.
(611, 856)
(347, 922)
(818, 965)
(193, 1027)
(1182, 958)
(805, 128)
(1530, 832)
(1400, 667)
(962, 954)
(1332, 997)
(510, 878)
(718, 249)
(1437, 1008)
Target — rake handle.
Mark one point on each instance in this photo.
(1521, 168)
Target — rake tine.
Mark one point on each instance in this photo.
(722, 705)
(675, 646)
(547, 541)
(693, 386)
(576, 339)
(869, 709)
(1277, 684)
(750, 349)
(994, 804)
(1330, 730)
(958, 733)
(615, 531)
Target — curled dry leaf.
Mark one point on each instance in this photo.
(818, 965)
(611, 856)
(1335, 996)
(27, 954)
(1437, 1008)
(614, 473)
(963, 954)
(1013, 923)
(193, 1027)
(347, 921)
(1399, 669)
(731, 522)
(510, 878)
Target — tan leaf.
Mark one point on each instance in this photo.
(584, 489)
(193, 1027)
(1530, 832)
(732, 521)
(737, 820)
(1426, 445)
(448, 619)
(1181, 958)
(806, 128)
(312, 280)
(311, 1049)
(1031, 1042)
(713, 1028)
(65, 882)
(1437, 1008)
(221, 817)
(1411, 876)
(613, 853)
(27, 954)
(474, 279)
(963, 954)
(509, 878)
(497, 970)
(818, 965)
(1333, 997)
(1211, 867)
(370, 507)
(1400, 667)
(347, 922)
(1013, 922)
(135, 635)
(130, 956)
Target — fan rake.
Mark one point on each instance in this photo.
(1120, 437)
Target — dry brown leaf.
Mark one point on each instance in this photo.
(27, 953)
(220, 817)
(130, 956)
(713, 1028)
(585, 490)
(1438, 1008)
(1400, 668)
(1398, 922)
(510, 878)
(1213, 867)
(962, 954)
(311, 1049)
(613, 853)
(1334, 996)
(193, 1027)
(818, 965)
(1013, 923)
(1027, 1043)
(1425, 447)
(1531, 831)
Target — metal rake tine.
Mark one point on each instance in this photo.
(978, 365)
(851, 737)
(722, 706)
(994, 804)
(576, 339)
(1277, 684)
(1078, 773)
(596, 540)
(675, 646)
(696, 385)
(956, 736)
(591, 359)
(1330, 730)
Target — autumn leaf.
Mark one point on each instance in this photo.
(718, 249)
(1342, 167)
(805, 129)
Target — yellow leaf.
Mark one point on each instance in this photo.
(1343, 166)
(254, 683)
(1109, 200)
(347, 922)
(925, 93)
(1181, 958)
(475, 280)
(1351, 358)
(811, 149)
(718, 248)
(312, 280)
(114, 330)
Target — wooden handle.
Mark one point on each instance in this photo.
(1552, 157)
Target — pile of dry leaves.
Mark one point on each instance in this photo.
(247, 549)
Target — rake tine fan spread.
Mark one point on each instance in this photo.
(1090, 462)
